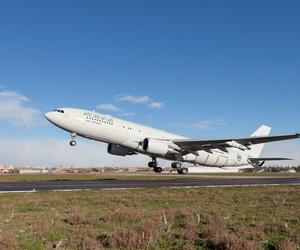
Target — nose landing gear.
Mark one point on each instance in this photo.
(73, 142)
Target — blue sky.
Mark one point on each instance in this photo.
(214, 68)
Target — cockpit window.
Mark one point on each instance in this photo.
(59, 110)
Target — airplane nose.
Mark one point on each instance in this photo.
(49, 116)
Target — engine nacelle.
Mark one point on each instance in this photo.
(116, 149)
(156, 147)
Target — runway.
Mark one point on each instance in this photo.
(26, 186)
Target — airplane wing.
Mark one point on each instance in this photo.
(242, 143)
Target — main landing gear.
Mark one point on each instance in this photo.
(153, 164)
(73, 142)
(175, 165)
(178, 165)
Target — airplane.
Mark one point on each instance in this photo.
(128, 138)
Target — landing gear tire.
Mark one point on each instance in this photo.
(73, 142)
(182, 171)
(158, 169)
(176, 165)
(152, 164)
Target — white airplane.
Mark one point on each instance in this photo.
(128, 138)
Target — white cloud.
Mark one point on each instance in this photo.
(156, 105)
(144, 100)
(112, 108)
(49, 152)
(108, 107)
(127, 114)
(12, 95)
(13, 109)
(205, 125)
(133, 99)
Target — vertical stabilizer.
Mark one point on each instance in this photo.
(257, 148)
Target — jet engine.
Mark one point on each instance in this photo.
(157, 147)
(119, 150)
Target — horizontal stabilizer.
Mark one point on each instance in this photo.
(269, 159)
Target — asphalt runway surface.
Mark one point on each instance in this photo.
(20, 186)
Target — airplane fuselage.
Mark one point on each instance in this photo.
(107, 129)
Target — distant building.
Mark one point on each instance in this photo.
(8, 170)
(131, 169)
(64, 170)
(31, 171)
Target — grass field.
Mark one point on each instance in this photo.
(201, 218)
(141, 176)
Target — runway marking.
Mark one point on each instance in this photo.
(71, 190)
(243, 185)
(22, 191)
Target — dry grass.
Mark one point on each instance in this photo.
(202, 218)
(7, 241)
(77, 217)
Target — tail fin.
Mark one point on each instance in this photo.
(257, 148)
